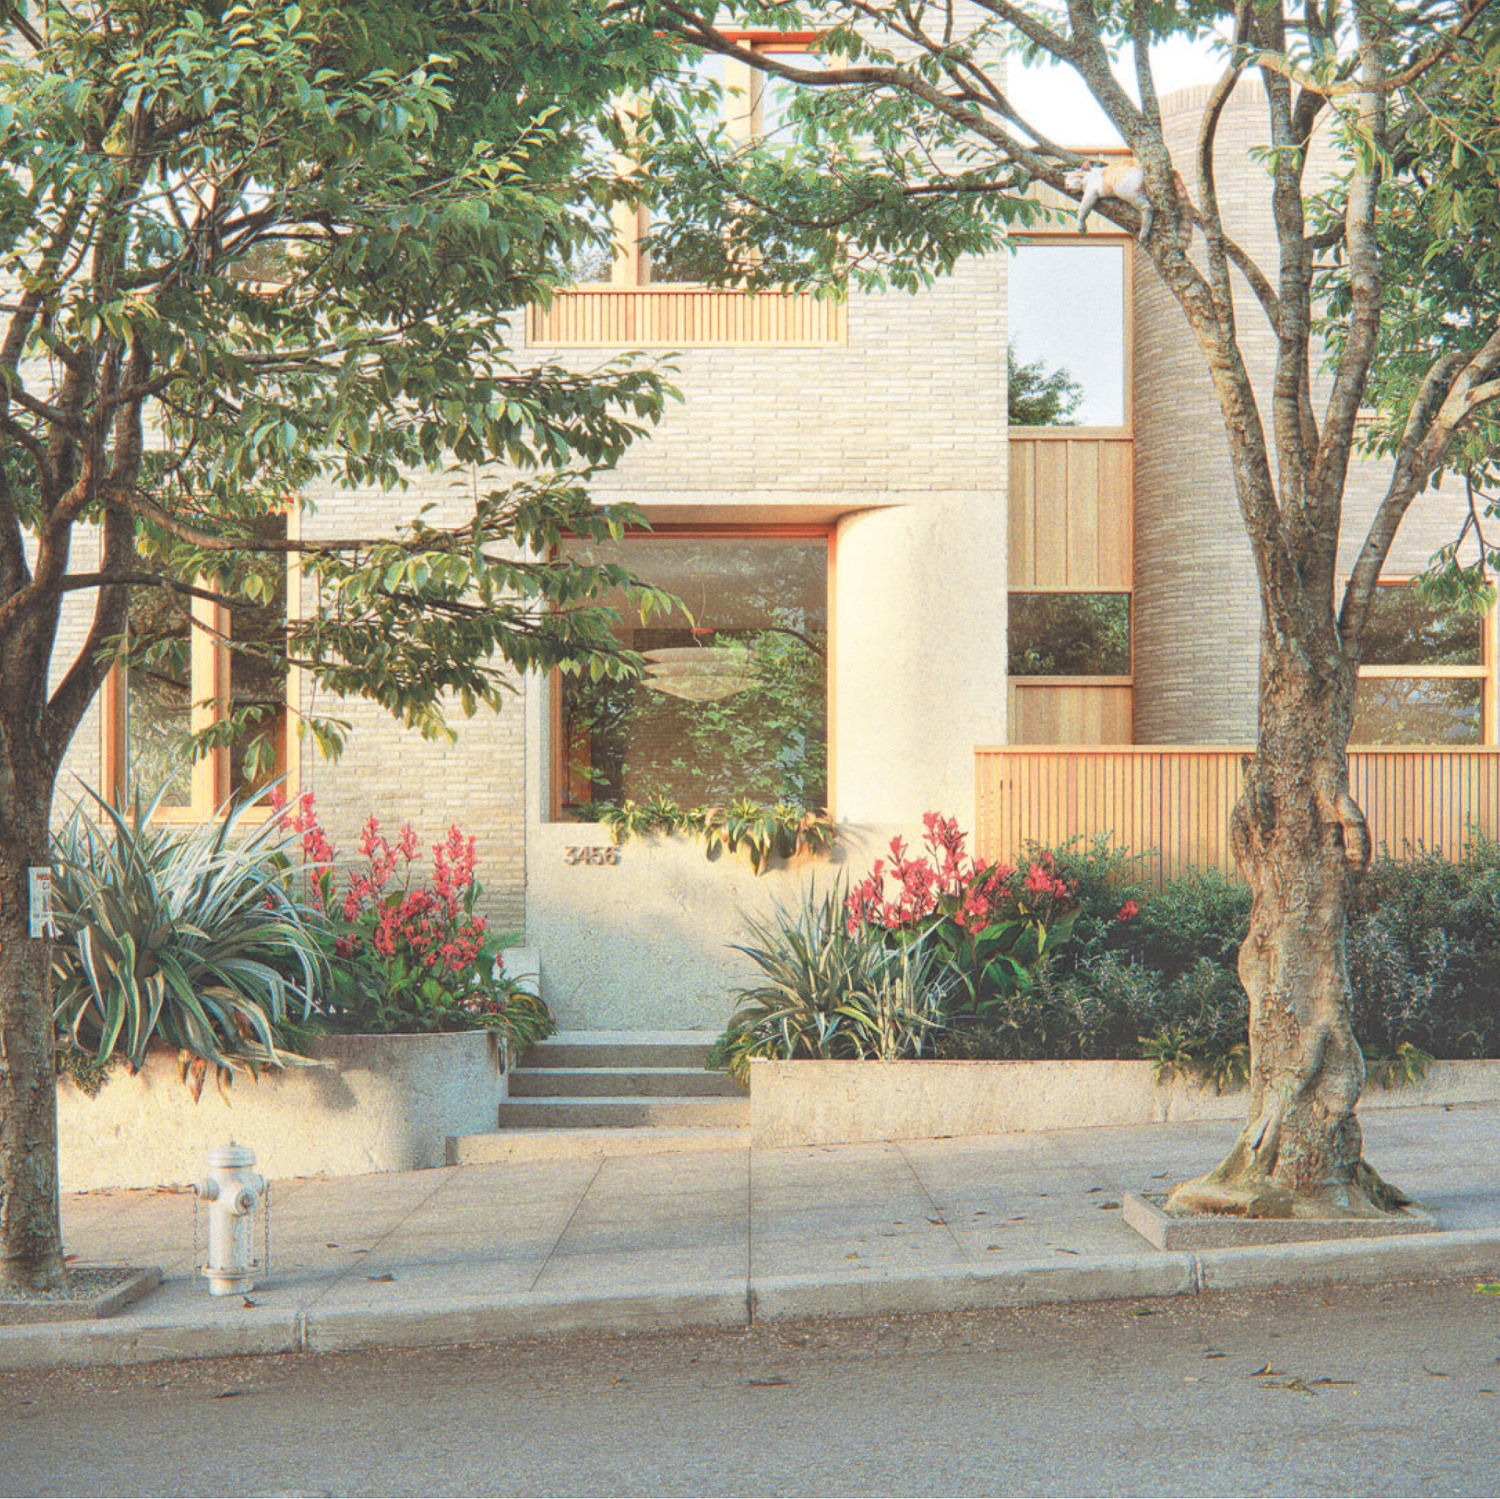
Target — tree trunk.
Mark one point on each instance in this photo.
(1302, 844)
(31, 1254)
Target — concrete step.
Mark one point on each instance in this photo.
(633, 1049)
(605, 1082)
(510, 1145)
(569, 1113)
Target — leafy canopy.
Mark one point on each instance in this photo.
(260, 252)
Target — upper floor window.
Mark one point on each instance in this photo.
(734, 702)
(1425, 676)
(1069, 635)
(1068, 335)
(753, 104)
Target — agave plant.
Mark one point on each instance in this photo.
(828, 992)
(191, 938)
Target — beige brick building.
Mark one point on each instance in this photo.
(870, 443)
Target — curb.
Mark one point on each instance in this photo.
(136, 1337)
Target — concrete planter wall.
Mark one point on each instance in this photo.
(374, 1103)
(842, 1103)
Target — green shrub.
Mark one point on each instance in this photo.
(407, 954)
(190, 938)
(829, 991)
(753, 830)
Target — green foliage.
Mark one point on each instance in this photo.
(1161, 983)
(407, 955)
(756, 833)
(831, 993)
(190, 939)
(1424, 954)
(262, 250)
(1037, 397)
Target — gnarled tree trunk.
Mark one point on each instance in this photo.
(31, 1255)
(1302, 844)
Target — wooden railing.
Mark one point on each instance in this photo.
(1176, 801)
(684, 318)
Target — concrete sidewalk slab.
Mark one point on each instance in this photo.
(492, 1251)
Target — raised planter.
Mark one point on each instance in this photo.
(373, 1103)
(844, 1103)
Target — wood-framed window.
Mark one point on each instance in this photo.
(208, 665)
(753, 104)
(1428, 673)
(634, 297)
(734, 702)
(1071, 666)
(1071, 324)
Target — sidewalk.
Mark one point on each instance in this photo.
(479, 1253)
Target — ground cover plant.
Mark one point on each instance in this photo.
(1079, 957)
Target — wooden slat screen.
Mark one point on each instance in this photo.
(684, 318)
(1071, 513)
(1177, 800)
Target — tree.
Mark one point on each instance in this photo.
(247, 246)
(905, 151)
(1035, 398)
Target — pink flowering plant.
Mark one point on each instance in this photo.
(407, 951)
(989, 923)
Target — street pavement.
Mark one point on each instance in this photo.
(724, 1238)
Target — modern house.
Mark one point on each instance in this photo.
(899, 603)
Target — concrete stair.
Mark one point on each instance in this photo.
(597, 1093)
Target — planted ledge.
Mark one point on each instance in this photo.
(846, 1103)
(373, 1103)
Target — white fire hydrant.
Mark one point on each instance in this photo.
(233, 1192)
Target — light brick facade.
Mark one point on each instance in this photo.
(897, 442)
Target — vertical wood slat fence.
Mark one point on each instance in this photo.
(697, 317)
(1176, 801)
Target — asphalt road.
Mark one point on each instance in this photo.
(1362, 1390)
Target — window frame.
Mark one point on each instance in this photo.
(1071, 238)
(631, 225)
(210, 663)
(1483, 672)
(556, 760)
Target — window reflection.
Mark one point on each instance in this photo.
(1067, 333)
(1069, 635)
(1402, 630)
(1419, 710)
(734, 702)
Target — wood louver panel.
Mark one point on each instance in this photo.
(1175, 803)
(684, 318)
(1071, 513)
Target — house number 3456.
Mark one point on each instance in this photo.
(608, 854)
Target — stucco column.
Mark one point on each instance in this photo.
(919, 607)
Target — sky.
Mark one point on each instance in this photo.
(1056, 101)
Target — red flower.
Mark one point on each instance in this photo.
(1128, 910)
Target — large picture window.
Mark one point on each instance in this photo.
(1423, 678)
(734, 702)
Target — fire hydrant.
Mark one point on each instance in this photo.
(233, 1192)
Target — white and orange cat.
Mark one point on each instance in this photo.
(1122, 179)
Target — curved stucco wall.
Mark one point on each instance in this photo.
(1197, 614)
